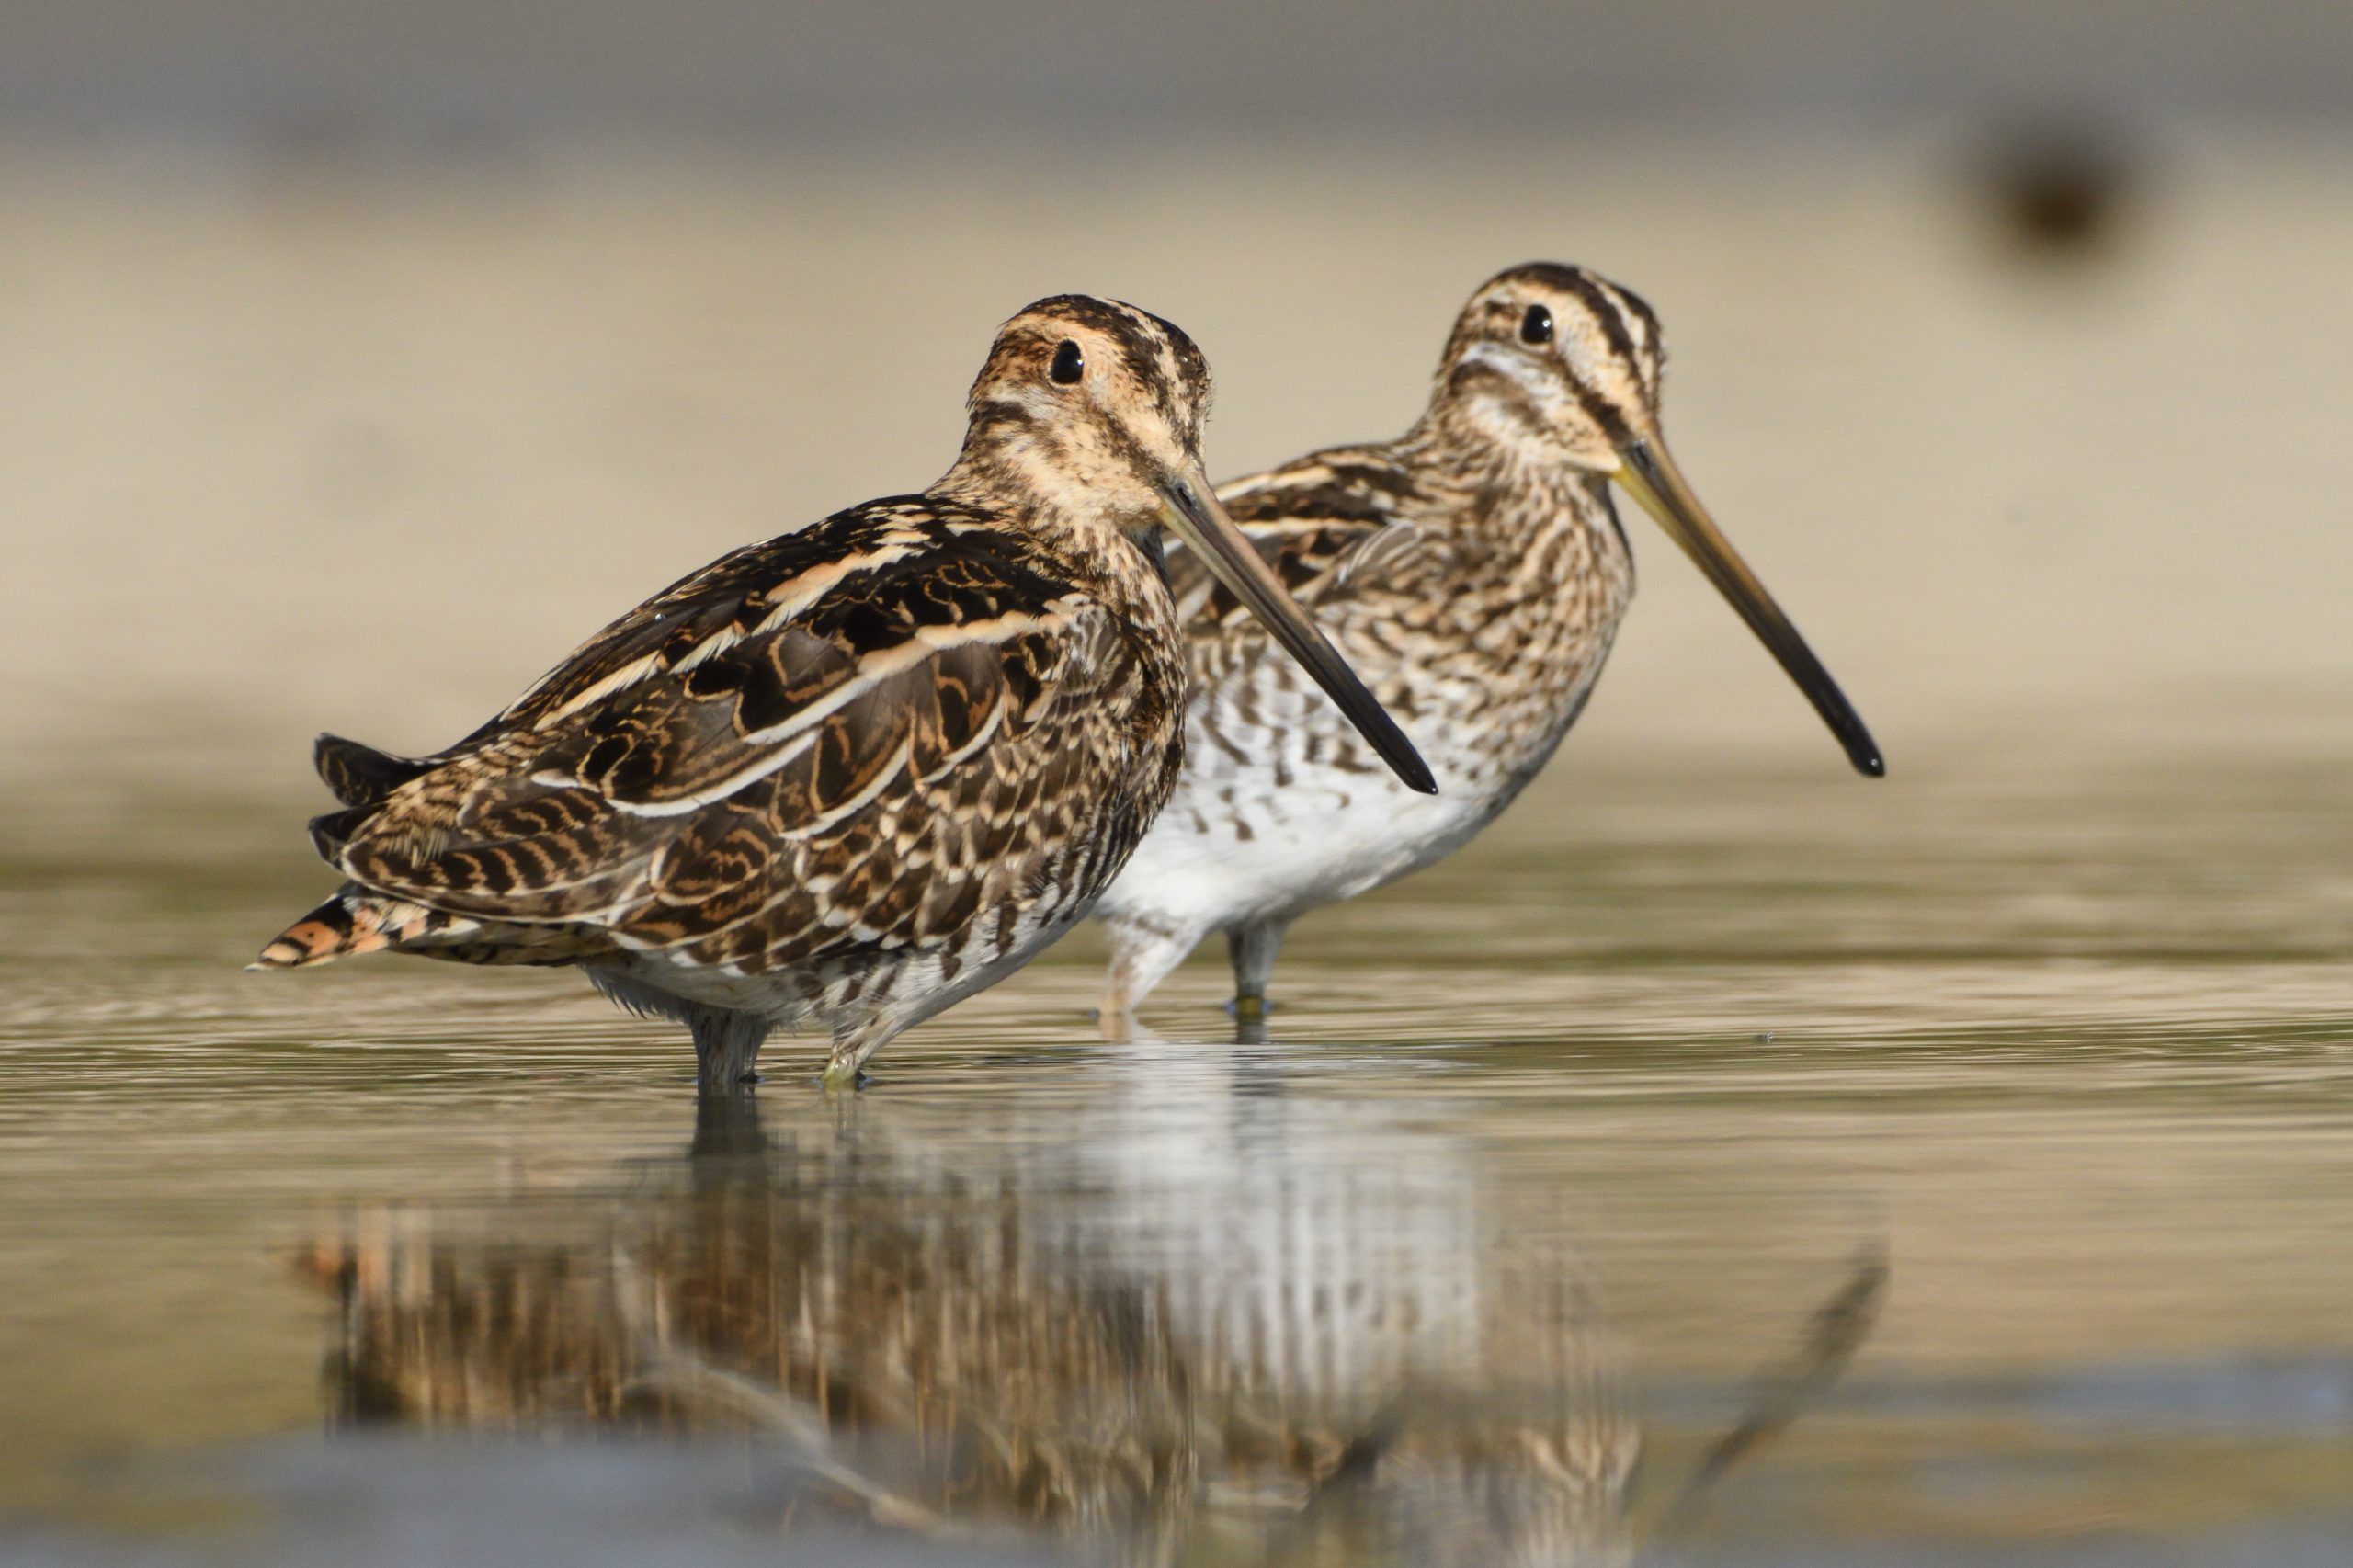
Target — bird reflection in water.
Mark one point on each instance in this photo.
(1322, 1351)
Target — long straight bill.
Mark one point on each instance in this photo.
(1192, 510)
(1652, 478)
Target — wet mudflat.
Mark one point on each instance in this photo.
(1987, 1146)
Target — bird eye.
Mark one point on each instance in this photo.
(1536, 326)
(1069, 363)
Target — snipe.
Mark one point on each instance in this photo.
(1475, 571)
(846, 778)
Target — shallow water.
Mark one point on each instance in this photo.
(1985, 1136)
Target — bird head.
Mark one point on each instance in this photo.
(1088, 414)
(1557, 366)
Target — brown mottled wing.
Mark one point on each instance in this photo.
(723, 766)
(1326, 523)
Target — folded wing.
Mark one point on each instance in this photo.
(755, 761)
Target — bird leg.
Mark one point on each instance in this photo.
(1144, 949)
(1253, 948)
(854, 1047)
(727, 1048)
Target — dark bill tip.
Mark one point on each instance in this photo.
(1654, 480)
(1193, 511)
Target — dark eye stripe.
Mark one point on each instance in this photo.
(1607, 312)
(1536, 326)
(1069, 363)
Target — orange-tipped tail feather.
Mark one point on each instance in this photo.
(358, 921)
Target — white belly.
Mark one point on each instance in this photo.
(1320, 838)
(1267, 823)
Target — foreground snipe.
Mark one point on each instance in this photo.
(1474, 571)
(850, 775)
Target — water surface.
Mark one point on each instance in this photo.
(1986, 1145)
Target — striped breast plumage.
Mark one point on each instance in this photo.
(1478, 605)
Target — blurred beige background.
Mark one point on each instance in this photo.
(355, 362)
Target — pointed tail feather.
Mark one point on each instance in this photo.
(361, 775)
(358, 921)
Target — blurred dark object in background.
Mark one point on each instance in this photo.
(2061, 187)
